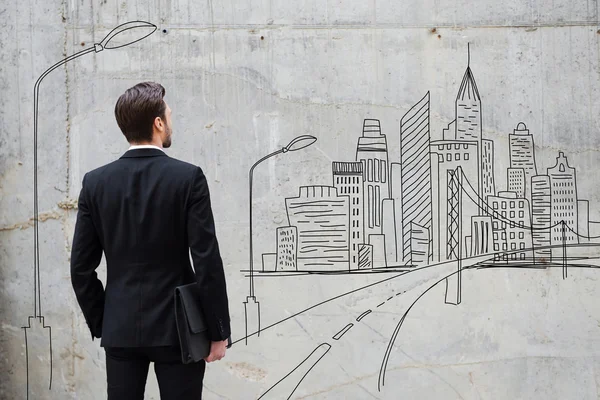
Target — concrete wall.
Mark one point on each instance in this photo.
(243, 79)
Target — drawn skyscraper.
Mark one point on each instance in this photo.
(322, 220)
(468, 117)
(541, 220)
(487, 168)
(564, 202)
(446, 156)
(522, 154)
(348, 180)
(416, 182)
(372, 152)
(396, 195)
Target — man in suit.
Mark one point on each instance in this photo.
(147, 211)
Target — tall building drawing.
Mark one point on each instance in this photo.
(348, 180)
(541, 209)
(415, 179)
(522, 155)
(389, 232)
(396, 195)
(564, 202)
(446, 156)
(372, 152)
(323, 223)
(487, 168)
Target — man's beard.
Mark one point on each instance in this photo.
(167, 142)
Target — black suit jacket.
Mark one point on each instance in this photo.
(146, 211)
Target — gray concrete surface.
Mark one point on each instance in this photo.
(243, 79)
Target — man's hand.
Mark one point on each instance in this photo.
(217, 351)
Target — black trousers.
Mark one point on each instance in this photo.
(127, 370)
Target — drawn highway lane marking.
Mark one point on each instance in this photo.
(361, 316)
(341, 333)
(286, 386)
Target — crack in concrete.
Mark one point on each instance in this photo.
(43, 217)
(68, 103)
(377, 26)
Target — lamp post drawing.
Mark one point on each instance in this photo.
(251, 304)
(127, 36)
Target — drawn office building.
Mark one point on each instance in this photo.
(446, 156)
(564, 202)
(415, 184)
(522, 156)
(348, 180)
(322, 220)
(541, 220)
(287, 243)
(372, 152)
(510, 223)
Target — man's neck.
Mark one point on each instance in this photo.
(153, 143)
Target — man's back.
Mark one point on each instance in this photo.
(140, 208)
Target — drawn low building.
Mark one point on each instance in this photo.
(564, 203)
(372, 152)
(515, 181)
(541, 222)
(323, 222)
(522, 156)
(583, 217)
(365, 256)
(415, 180)
(348, 180)
(377, 243)
(482, 236)
(510, 223)
(287, 242)
(419, 244)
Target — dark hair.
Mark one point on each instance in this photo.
(137, 108)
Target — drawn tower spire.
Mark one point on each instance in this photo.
(468, 116)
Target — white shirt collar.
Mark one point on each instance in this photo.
(145, 146)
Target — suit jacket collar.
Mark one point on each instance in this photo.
(134, 153)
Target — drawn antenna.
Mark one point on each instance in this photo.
(468, 54)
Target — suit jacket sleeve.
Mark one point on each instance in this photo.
(208, 265)
(86, 254)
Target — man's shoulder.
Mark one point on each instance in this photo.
(175, 162)
(183, 167)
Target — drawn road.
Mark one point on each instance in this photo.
(376, 321)
(377, 326)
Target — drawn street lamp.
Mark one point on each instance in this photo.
(251, 306)
(127, 33)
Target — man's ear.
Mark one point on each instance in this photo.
(158, 123)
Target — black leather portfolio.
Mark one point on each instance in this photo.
(191, 326)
